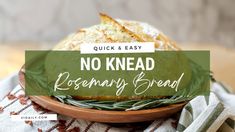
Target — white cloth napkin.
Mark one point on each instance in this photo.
(7, 85)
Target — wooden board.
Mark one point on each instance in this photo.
(103, 115)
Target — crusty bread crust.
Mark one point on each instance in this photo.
(120, 31)
(109, 20)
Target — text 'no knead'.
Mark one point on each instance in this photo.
(116, 63)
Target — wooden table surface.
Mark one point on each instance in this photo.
(222, 59)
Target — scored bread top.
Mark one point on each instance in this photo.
(116, 30)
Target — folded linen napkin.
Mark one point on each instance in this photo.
(199, 115)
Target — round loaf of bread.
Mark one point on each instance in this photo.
(115, 31)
